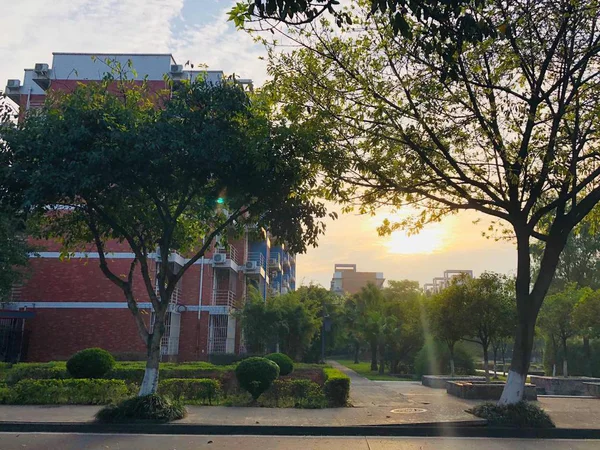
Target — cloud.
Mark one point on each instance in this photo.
(34, 29)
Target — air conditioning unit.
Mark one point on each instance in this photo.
(13, 84)
(251, 265)
(41, 69)
(176, 69)
(219, 258)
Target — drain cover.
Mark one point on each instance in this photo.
(408, 410)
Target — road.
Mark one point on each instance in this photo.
(42, 441)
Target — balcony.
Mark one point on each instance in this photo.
(275, 262)
(286, 261)
(226, 258)
(255, 265)
(223, 297)
(292, 259)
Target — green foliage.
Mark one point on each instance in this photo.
(291, 320)
(149, 408)
(285, 363)
(581, 361)
(68, 392)
(36, 371)
(14, 249)
(434, 359)
(190, 389)
(90, 363)
(336, 387)
(255, 375)
(519, 415)
(586, 315)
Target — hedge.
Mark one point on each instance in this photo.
(285, 363)
(134, 373)
(336, 387)
(65, 392)
(201, 390)
(36, 371)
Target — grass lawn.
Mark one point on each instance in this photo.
(364, 369)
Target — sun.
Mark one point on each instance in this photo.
(429, 240)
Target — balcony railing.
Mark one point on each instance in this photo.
(275, 262)
(292, 258)
(257, 257)
(286, 261)
(231, 253)
(223, 298)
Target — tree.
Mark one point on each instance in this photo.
(579, 261)
(14, 253)
(489, 313)
(448, 310)
(105, 164)
(557, 319)
(369, 305)
(406, 337)
(509, 132)
(586, 318)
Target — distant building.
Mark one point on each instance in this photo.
(440, 283)
(346, 280)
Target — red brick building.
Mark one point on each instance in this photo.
(66, 305)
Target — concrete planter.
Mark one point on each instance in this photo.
(593, 389)
(484, 391)
(439, 381)
(563, 386)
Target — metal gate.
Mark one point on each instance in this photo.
(13, 340)
(217, 333)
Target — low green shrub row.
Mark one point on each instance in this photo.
(191, 390)
(132, 372)
(295, 393)
(336, 387)
(65, 392)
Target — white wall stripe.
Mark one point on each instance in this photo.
(115, 255)
(111, 305)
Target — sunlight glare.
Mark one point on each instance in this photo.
(430, 240)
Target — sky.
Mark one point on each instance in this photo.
(198, 31)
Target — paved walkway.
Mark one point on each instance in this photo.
(374, 403)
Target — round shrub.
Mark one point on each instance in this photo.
(255, 375)
(285, 363)
(148, 408)
(90, 363)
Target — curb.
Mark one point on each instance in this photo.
(405, 430)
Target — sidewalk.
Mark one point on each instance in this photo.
(384, 403)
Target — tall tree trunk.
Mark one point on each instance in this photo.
(374, 356)
(565, 356)
(356, 351)
(150, 381)
(495, 363)
(486, 366)
(528, 306)
(452, 371)
(381, 359)
(588, 356)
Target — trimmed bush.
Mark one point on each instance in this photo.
(294, 393)
(68, 392)
(202, 390)
(90, 363)
(149, 408)
(255, 375)
(435, 360)
(134, 372)
(285, 363)
(36, 371)
(336, 387)
(519, 415)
